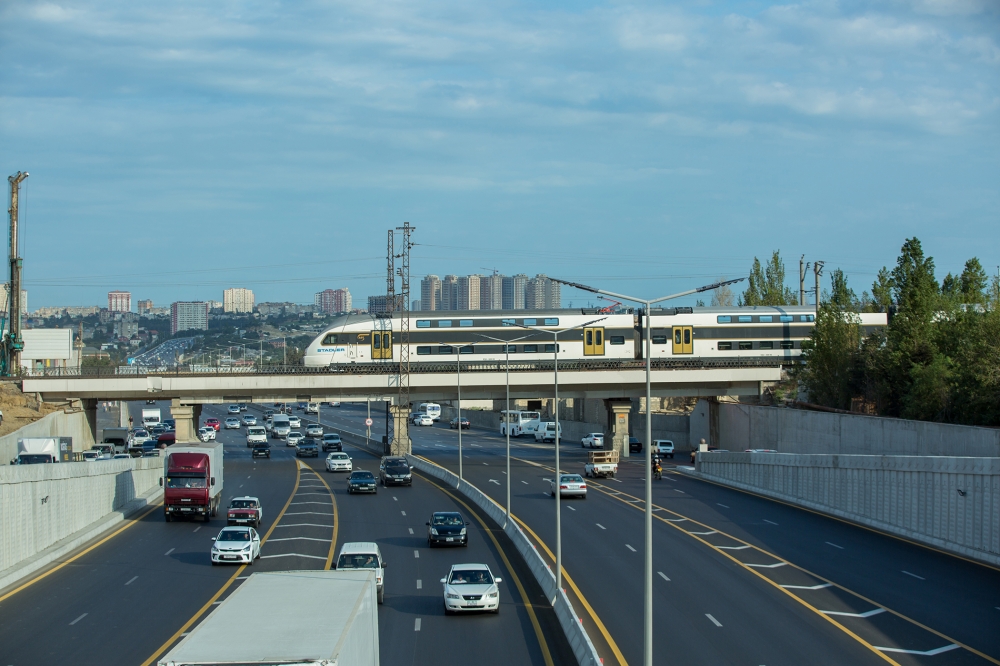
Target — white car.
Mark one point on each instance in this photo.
(594, 440)
(423, 420)
(91, 456)
(335, 403)
(293, 438)
(312, 408)
(294, 421)
(471, 587)
(664, 447)
(339, 462)
(139, 436)
(364, 555)
(256, 435)
(234, 409)
(249, 420)
(239, 545)
(570, 485)
(206, 433)
(233, 423)
(314, 430)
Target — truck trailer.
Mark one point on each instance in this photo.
(192, 480)
(313, 618)
(34, 450)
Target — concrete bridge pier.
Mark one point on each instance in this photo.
(401, 444)
(90, 411)
(187, 419)
(618, 411)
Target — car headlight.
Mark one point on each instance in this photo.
(246, 547)
(215, 550)
(451, 595)
(462, 533)
(434, 531)
(493, 595)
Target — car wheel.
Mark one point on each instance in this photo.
(214, 563)
(166, 517)
(381, 595)
(250, 563)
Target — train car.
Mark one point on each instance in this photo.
(480, 335)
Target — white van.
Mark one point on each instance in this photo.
(431, 409)
(256, 435)
(546, 432)
(363, 555)
(280, 426)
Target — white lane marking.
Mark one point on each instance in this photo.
(601, 526)
(503, 472)
(722, 505)
(416, 554)
(770, 521)
(403, 512)
(545, 479)
(311, 557)
(329, 527)
(676, 520)
(416, 624)
(830, 543)
(704, 533)
(732, 547)
(914, 575)
(310, 513)
(185, 633)
(927, 653)
(494, 481)
(714, 621)
(615, 480)
(768, 566)
(875, 611)
(248, 476)
(298, 539)
(242, 577)
(169, 551)
(679, 491)
(483, 463)
(196, 529)
(525, 482)
(131, 580)
(570, 508)
(663, 576)
(808, 587)
(241, 485)
(420, 584)
(630, 548)
(411, 529)
(395, 499)
(294, 503)
(216, 603)
(77, 619)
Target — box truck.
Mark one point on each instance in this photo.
(192, 481)
(312, 617)
(150, 417)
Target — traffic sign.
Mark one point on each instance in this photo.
(368, 422)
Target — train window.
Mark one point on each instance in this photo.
(588, 337)
(530, 349)
(465, 322)
(599, 336)
(467, 349)
(423, 323)
(786, 318)
(677, 335)
(531, 322)
(746, 345)
(807, 317)
(551, 322)
(511, 349)
(766, 344)
(330, 339)
(423, 351)
(725, 346)
(445, 349)
(745, 319)
(507, 322)
(376, 341)
(766, 319)
(444, 323)
(787, 344)
(659, 340)
(724, 319)
(617, 339)
(550, 348)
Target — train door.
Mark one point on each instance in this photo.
(593, 341)
(381, 344)
(683, 341)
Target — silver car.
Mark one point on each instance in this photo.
(314, 430)
(249, 420)
(293, 438)
(570, 485)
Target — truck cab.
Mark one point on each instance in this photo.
(363, 555)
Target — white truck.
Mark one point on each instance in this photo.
(327, 618)
(118, 438)
(150, 417)
(34, 450)
(546, 431)
(601, 464)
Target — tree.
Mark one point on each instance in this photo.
(766, 284)
(723, 296)
(830, 357)
(973, 282)
(882, 290)
(841, 295)
(914, 287)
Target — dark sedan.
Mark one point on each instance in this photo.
(396, 473)
(634, 445)
(361, 482)
(331, 442)
(262, 450)
(307, 447)
(465, 424)
(447, 528)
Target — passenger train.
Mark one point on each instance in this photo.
(706, 333)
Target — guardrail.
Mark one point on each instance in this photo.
(572, 626)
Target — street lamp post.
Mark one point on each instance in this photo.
(648, 592)
(555, 354)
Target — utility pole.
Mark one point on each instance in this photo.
(818, 270)
(10, 364)
(802, 280)
(384, 321)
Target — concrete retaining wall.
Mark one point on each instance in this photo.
(41, 505)
(570, 622)
(56, 424)
(950, 503)
(786, 430)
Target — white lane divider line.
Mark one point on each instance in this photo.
(630, 548)
(77, 619)
(294, 503)
(311, 557)
(830, 543)
(771, 522)
(675, 520)
(483, 463)
(329, 527)
(395, 499)
(601, 526)
(196, 529)
(914, 575)
(420, 584)
(494, 481)
(768, 566)
(616, 480)
(525, 482)
(874, 611)
(416, 624)
(416, 554)
(732, 547)
(722, 505)
(927, 653)
(131, 580)
(704, 533)
(403, 512)
(808, 587)
(241, 485)
(216, 603)
(679, 491)
(663, 576)
(169, 551)
(298, 539)
(714, 621)
(411, 529)
(570, 508)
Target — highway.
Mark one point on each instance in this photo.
(739, 579)
(130, 595)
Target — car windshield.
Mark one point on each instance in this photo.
(255, 431)
(331, 438)
(447, 519)
(572, 478)
(141, 433)
(358, 561)
(243, 504)
(337, 456)
(234, 535)
(186, 482)
(471, 577)
(362, 476)
(397, 469)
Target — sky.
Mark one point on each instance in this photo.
(177, 149)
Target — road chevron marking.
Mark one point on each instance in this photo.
(928, 653)
(874, 611)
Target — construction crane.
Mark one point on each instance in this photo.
(12, 344)
(609, 309)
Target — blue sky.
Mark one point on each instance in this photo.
(176, 149)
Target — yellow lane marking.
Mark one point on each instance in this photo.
(56, 568)
(546, 655)
(336, 519)
(201, 611)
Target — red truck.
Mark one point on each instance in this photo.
(192, 481)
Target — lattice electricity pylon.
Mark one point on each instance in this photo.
(404, 319)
